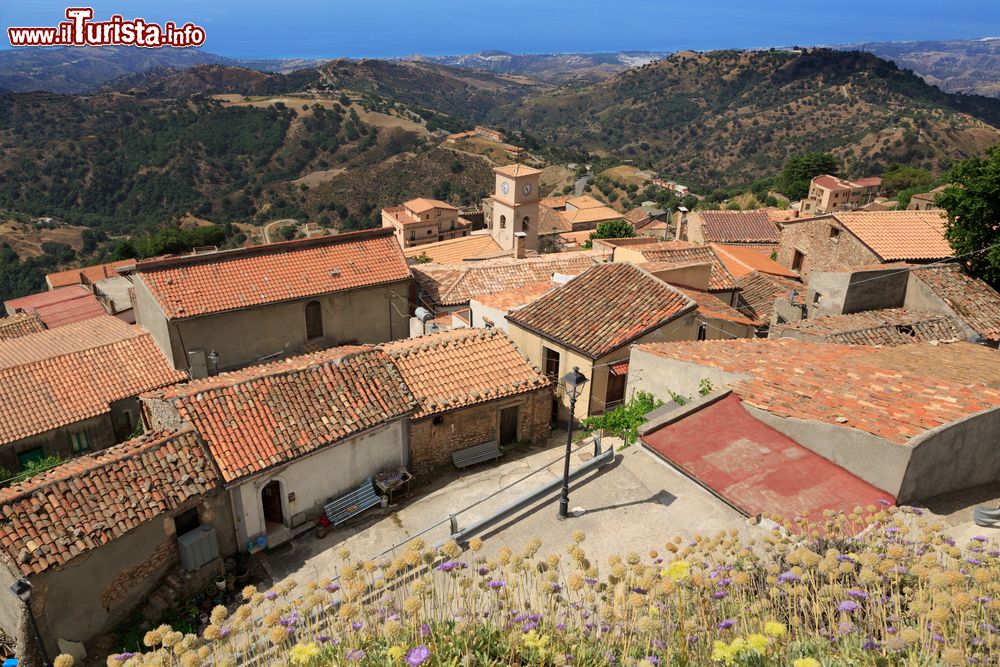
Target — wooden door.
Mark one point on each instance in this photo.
(508, 425)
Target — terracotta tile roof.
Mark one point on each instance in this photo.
(741, 261)
(679, 253)
(90, 501)
(514, 170)
(86, 274)
(738, 227)
(975, 302)
(234, 279)
(455, 369)
(637, 216)
(892, 326)
(262, 416)
(759, 291)
(62, 390)
(453, 284)
(576, 238)
(71, 338)
(457, 250)
(899, 235)
(603, 309)
(59, 307)
(423, 204)
(842, 385)
(551, 221)
(585, 202)
(954, 362)
(712, 307)
(586, 216)
(20, 324)
(507, 300)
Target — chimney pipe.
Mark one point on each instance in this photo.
(519, 242)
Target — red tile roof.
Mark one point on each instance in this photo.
(899, 235)
(755, 468)
(71, 338)
(759, 291)
(975, 302)
(741, 261)
(678, 253)
(263, 416)
(19, 324)
(59, 307)
(842, 385)
(712, 307)
(235, 279)
(550, 221)
(603, 309)
(738, 227)
(78, 507)
(453, 284)
(891, 326)
(86, 274)
(81, 384)
(455, 369)
(457, 250)
(510, 299)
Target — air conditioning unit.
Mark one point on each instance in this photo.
(198, 547)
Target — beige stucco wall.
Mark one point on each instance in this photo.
(242, 337)
(327, 473)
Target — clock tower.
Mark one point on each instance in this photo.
(515, 206)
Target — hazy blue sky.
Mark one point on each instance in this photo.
(377, 28)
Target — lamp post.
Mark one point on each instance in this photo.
(574, 381)
(22, 589)
(213, 358)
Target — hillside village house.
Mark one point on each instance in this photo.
(96, 535)
(421, 221)
(913, 421)
(862, 238)
(589, 323)
(752, 229)
(705, 269)
(232, 308)
(472, 387)
(899, 302)
(829, 194)
(71, 390)
(924, 201)
(290, 435)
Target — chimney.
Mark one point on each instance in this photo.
(519, 241)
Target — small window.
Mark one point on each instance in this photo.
(834, 233)
(524, 223)
(798, 260)
(430, 231)
(26, 457)
(79, 441)
(187, 521)
(816, 298)
(438, 420)
(503, 222)
(702, 331)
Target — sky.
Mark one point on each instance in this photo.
(387, 28)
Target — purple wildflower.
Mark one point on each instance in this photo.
(331, 588)
(560, 627)
(495, 584)
(224, 632)
(528, 627)
(652, 659)
(980, 538)
(883, 502)
(323, 639)
(871, 645)
(788, 576)
(859, 595)
(356, 625)
(726, 624)
(483, 570)
(355, 655)
(848, 606)
(123, 657)
(718, 595)
(425, 630)
(448, 566)
(418, 655)
(271, 595)
(974, 561)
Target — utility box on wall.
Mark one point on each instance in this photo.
(198, 547)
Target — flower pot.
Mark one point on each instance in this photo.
(220, 582)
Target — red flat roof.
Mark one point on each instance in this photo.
(755, 468)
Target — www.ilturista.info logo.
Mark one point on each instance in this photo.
(80, 30)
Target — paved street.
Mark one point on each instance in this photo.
(635, 503)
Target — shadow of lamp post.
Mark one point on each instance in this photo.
(22, 589)
(573, 382)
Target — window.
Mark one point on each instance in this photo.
(79, 441)
(524, 223)
(702, 331)
(26, 457)
(430, 231)
(834, 233)
(798, 260)
(503, 222)
(551, 363)
(438, 420)
(187, 521)
(314, 320)
(413, 236)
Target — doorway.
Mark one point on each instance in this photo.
(314, 320)
(508, 425)
(270, 497)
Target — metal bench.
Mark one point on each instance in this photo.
(351, 504)
(488, 451)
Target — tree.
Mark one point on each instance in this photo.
(906, 177)
(614, 229)
(799, 170)
(972, 201)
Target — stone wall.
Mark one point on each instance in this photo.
(163, 556)
(431, 445)
(822, 253)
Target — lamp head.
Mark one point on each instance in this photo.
(22, 589)
(574, 381)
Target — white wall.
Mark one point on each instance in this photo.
(328, 473)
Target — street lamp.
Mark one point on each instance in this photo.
(213, 357)
(574, 381)
(22, 590)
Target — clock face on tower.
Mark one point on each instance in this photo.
(526, 189)
(505, 187)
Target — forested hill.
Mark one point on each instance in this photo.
(713, 118)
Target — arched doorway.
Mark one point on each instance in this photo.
(270, 499)
(314, 320)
